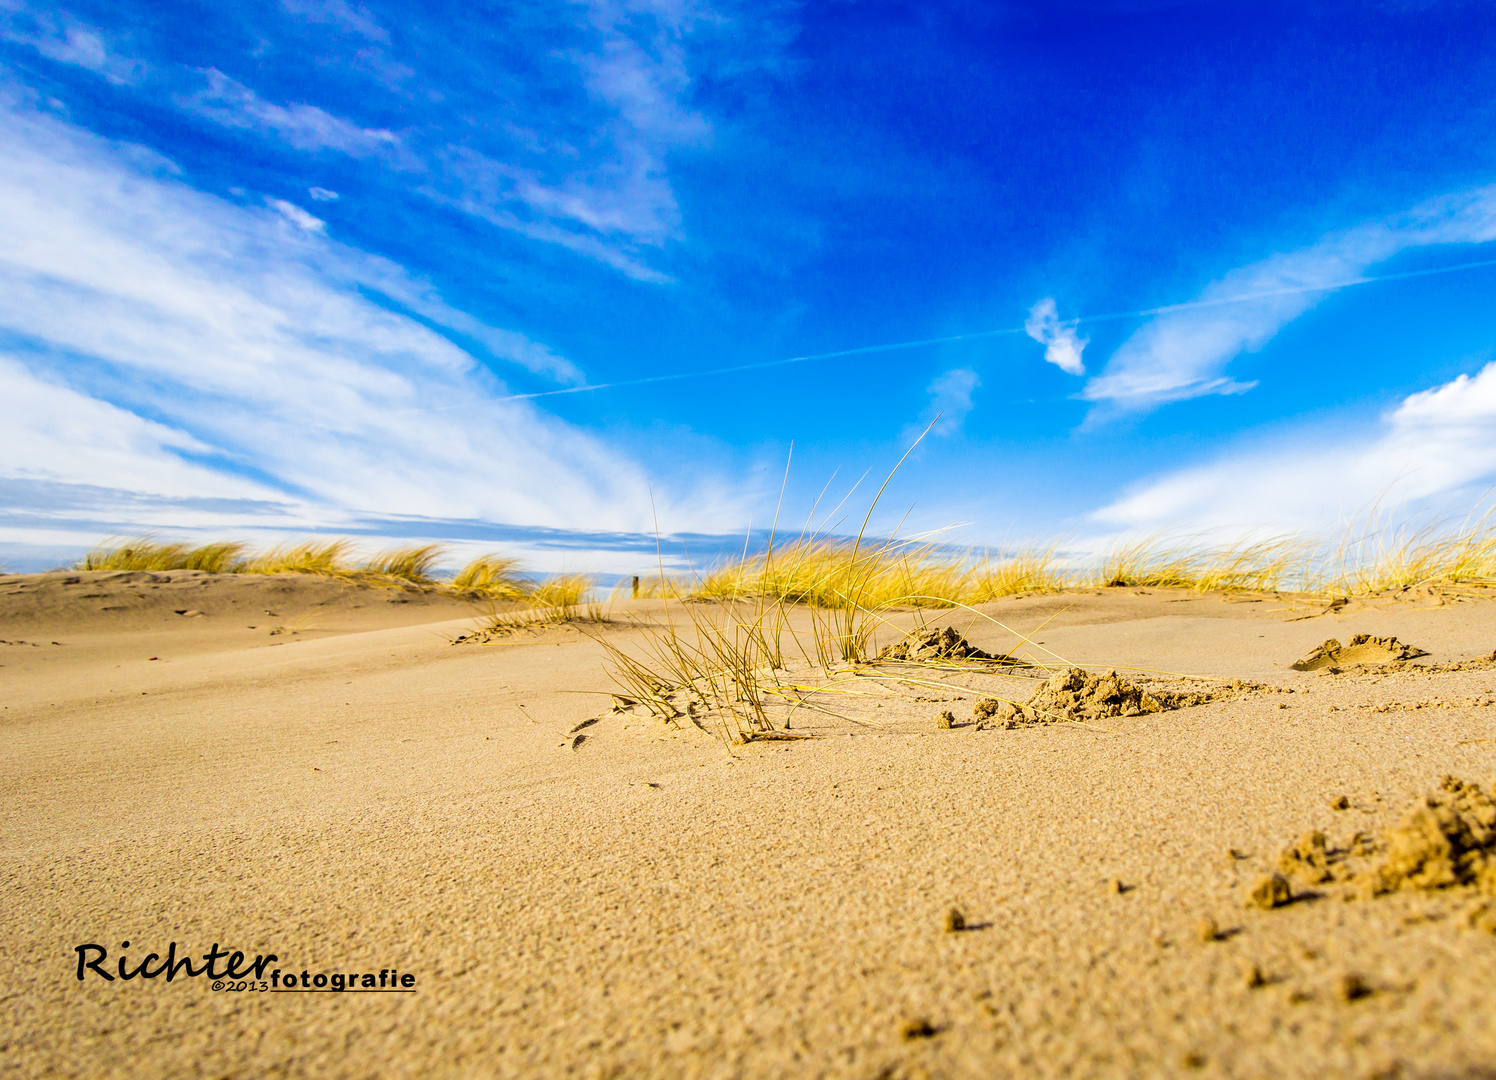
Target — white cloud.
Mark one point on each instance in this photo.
(68, 41)
(355, 20)
(1183, 353)
(950, 401)
(296, 215)
(209, 349)
(606, 199)
(1062, 346)
(517, 200)
(304, 127)
(321, 194)
(1434, 450)
(53, 432)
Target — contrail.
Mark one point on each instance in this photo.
(977, 334)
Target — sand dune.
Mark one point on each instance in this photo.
(339, 785)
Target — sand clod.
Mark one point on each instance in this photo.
(918, 1028)
(1078, 695)
(1363, 651)
(1448, 839)
(1308, 858)
(1352, 987)
(927, 643)
(1482, 917)
(1272, 891)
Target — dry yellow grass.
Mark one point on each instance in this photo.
(310, 557)
(837, 574)
(414, 563)
(1372, 558)
(1260, 565)
(560, 599)
(147, 554)
(829, 573)
(1382, 558)
(562, 591)
(491, 575)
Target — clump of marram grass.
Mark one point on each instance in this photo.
(1030, 570)
(496, 576)
(1253, 566)
(414, 564)
(827, 572)
(557, 600)
(565, 591)
(1381, 558)
(328, 557)
(708, 666)
(146, 554)
(726, 664)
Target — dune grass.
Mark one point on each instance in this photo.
(561, 599)
(1371, 558)
(414, 563)
(146, 554)
(1385, 558)
(491, 576)
(828, 572)
(835, 573)
(331, 557)
(722, 660)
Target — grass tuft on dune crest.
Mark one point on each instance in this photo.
(147, 554)
(828, 573)
(309, 557)
(837, 574)
(492, 575)
(413, 563)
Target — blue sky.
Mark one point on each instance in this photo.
(275, 268)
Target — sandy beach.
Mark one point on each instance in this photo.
(341, 786)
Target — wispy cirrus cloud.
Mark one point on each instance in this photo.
(305, 127)
(949, 405)
(612, 199)
(157, 339)
(296, 215)
(354, 20)
(60, 37)
(1184, 354)
(518, 201)
(593, 179)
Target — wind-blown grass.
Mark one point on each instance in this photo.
(1383, 558)
(413, 563)
(491, 575)
(834, 574)
(828, 573)
(311, 557)
(146, 554)
(496, 576)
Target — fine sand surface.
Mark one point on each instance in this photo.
(340, 785)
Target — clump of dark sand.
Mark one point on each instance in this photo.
(1364, 651)
(1076, 695)
(926, 643)
(1448, 839)
(1308, 858)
